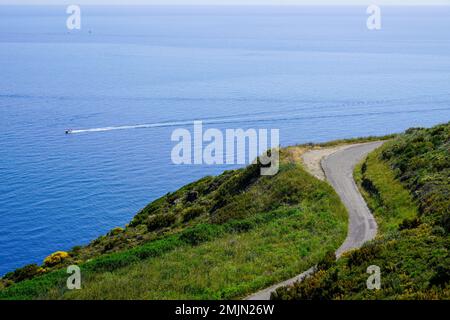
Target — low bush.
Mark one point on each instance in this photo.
(192, 213)
(409, 223)
(159, 221)
(368, 185)
(27, 272)
(118, 260)
(191, 196)
(116, 231)
(366, 253)
(56, 258)
(445, 222)
(200, 233)
(327, 262)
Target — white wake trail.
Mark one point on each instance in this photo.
(166, 124)
(138, 126)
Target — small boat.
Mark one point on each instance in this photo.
(68, 131)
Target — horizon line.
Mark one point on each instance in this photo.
(229, 5)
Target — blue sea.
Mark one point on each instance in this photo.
(315, 73)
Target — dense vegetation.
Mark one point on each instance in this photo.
(407, 185)
(220, 237)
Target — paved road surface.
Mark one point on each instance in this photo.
(338, 168)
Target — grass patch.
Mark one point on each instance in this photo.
(230, 266)
(390, 202)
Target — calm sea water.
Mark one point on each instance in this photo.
(315, 73)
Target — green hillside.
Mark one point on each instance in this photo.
(220, 237)
(407, 185)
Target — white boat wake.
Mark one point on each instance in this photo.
(158, 125)
(138, 126)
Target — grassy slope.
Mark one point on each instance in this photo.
(228, 267)
(220, 237)
(407, 185)
(388, 200)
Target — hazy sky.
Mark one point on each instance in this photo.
(234, 2)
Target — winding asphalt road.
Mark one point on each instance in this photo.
(338, 168)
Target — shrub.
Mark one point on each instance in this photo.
(160, 221)
(112, 262)
(191, 196)
(192, 213)
(441, 276)
(445, 222)
(110, 245)
(320, 285)
(27, 272)
(117, 260)
(409, 224)
(363, 255)
(438, 231)
(200, 233)
(56, 258)
(364, 167)
(75, 250)
(116, 231)
(369, 186)
(171, 198)
(327, 262)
